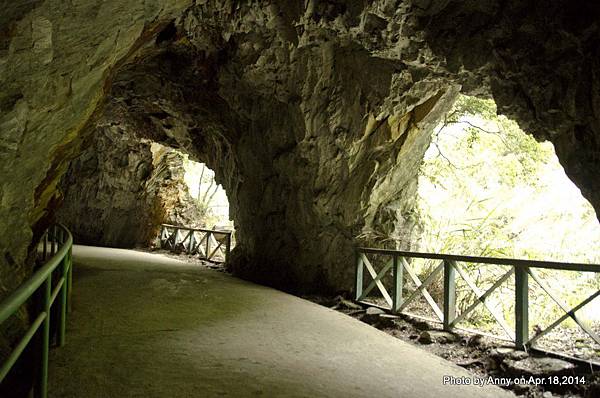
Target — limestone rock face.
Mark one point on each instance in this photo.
(541, 63)
(167, 196)
(120, 189)
(105, 203)
(311, 150)
(314, 115)
(55, 62)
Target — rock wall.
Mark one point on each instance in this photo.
(314, 115)
(55, 62)
(541, 63)
(104, 190)
(121, 188)
(311, 150)
(167, 195)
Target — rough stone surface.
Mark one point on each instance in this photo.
(436, 336)
(386, 322)
(540, 62)
(314, 116)
(104, 190)
(55, 62)
(372, 315)
(168, 194)
(506, 352)
(119, 190)
(311, 151)
(422, 325)
(537, 366)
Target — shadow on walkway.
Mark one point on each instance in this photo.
(144, 325)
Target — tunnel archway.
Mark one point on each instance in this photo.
(308, 170)
(487, 189)
(313, 117)
(209, 196)
(298, 192)
(309, 112)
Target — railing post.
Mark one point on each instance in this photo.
(170, 241)
(521, 307)
(358, 288)
(62, 327)
(207, 245)
(227, 246)
(449, 294)
(45, 250)
(190, 237)
(42, 390)
(52, 240)
(69, 278)
(398, 275)
(161, 236)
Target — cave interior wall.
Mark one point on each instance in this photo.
(315, 117)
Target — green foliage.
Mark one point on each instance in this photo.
(208, 194)
(471, 106)
(488, 189)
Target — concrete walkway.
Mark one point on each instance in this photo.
(144, 325)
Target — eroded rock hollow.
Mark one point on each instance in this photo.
(121, 188)
(314, 115)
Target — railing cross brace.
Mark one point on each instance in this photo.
(481, 299)
(568, 312)
(377, 278)
(422, 288)
(378, 283)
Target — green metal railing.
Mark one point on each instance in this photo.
(450, 267)
(209, 244)
(56, 244)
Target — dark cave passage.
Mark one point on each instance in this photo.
(314, 117)
(315, 134)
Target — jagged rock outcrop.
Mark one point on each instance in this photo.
(314, 115)
(311, 151)
(539, 60)
(55, 63)
(121, 188)
(167, 195)
(104, 189)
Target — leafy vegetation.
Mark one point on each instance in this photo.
(488, 189)
(210, 196)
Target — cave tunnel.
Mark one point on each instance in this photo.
(314, 116)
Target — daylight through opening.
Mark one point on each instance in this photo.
(488, 189)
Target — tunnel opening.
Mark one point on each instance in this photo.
(210, 196)
(313, 118)
(488, 189)
(122, 188)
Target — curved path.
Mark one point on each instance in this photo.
(144, 325)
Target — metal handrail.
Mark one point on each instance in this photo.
(489, 260)
(61, 244)
(522, 270)
(192, 245)
(220, 231)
